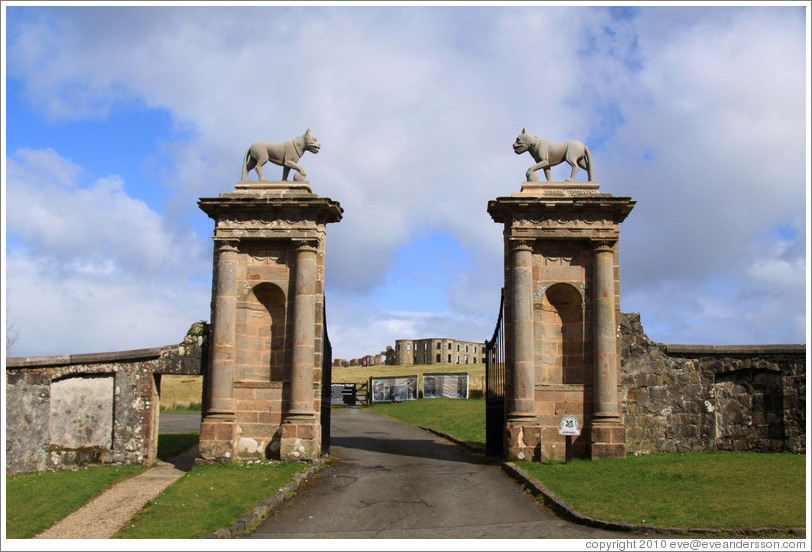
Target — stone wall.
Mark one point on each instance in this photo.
(693, 397)
(96, 408)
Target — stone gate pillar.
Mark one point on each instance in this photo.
(264, 378)
(220, 427)
(523, 432)
(561, 305)
(608, 432)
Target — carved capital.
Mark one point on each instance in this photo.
(226, 245)
(520, 245)
(306, 244)
(602, 246)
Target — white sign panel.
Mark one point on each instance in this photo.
(569, 426)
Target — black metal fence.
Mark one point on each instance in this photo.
(495, 386)
(326, 386)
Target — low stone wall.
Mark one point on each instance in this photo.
(91, 409)
(693, 397)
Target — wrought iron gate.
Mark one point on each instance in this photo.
(495, 387)
(326, 386)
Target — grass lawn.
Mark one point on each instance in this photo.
(180, 391)
(208, 498)
(35, 501)
(696, 489)
(462, 418)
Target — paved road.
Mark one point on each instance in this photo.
(395, 482)
(179, 423)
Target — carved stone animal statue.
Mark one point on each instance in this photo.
(285, 154)
(548, 154)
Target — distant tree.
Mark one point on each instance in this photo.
(12, 335)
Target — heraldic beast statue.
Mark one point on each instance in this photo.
(548, 154)
(286, 155)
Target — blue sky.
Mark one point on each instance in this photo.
(117, 119)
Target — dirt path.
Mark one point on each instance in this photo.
(105, 515)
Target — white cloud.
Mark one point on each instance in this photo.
(697, 113)
(357, 329)
(90, 268)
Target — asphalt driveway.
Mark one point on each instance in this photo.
(178, 423)
(393, 481)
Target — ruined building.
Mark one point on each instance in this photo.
(409, 352)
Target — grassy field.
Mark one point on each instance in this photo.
(180, 391)
(361, 374)
(697, 489)
(35, 501)
(208, 498)
(464, 419)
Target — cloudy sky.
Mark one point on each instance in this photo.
(117, 119)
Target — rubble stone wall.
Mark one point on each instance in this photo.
(100, 408)
(694, 397)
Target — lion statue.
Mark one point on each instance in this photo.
(286, 155)
(548, 154)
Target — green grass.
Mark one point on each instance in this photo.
(462, 418)
(697, 489)
(208, 498)
(179, 391)
(35, 501)
(171, 444)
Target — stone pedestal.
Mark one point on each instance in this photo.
(300, 439)
(561, 305)
(264, 377)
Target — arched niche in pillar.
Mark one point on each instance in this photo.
(261, 334)
(562, 336)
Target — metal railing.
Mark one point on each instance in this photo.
(495, 386)
(326, 385)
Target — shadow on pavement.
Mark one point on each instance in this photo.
(184, 461)
(418, 448)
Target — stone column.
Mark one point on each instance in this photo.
(605, 374)
(304, 324)
(217, 432)
(608, 433)
(301, 432)
(523, 432)
(522, 407)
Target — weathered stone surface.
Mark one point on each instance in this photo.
(683, 397)
(81, 412)
(27, 412)
(267, 319)
(71, 410)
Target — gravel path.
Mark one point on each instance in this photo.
(105, 515)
